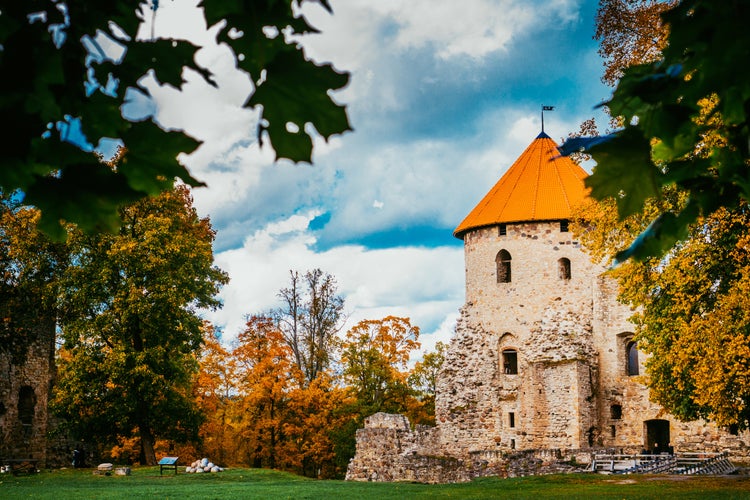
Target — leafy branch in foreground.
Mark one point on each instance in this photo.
(70, 67)
(686, 124)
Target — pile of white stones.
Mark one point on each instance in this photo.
(203, 465)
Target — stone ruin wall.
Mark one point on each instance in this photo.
(389, 450)
(468, 404)
(612, 332)
(25, 386)
(571, 337)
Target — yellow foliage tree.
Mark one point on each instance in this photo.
(423, 381)
(375, 357)
(692, 308)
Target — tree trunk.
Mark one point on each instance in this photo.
(148, 455)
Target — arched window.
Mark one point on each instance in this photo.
(632, 351)
(503, 266)
(510, 362)
(563, 268)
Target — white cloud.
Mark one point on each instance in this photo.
(473, 28)
(420, 283)
(437, 121)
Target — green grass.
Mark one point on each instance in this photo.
(145, 482)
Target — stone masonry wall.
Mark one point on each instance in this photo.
(24, 392)
(547, 320)
(388, 450)
(571, 390)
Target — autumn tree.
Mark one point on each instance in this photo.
(629, 32)
(685, 122)
(310, 318)
(215, 391)
(694, 320)
(319, 414)
(265, 377)
(690, 308)
(131, 325)
(375, 356)
(677, 208)
(71, 67)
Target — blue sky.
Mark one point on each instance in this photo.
(443, 97)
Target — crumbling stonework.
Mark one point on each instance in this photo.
(389, 450)
(537, 375)
(25, 385)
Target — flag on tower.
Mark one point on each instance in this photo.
(545, 108)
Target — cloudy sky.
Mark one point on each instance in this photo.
(444, 95)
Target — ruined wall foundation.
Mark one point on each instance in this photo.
(541, 373)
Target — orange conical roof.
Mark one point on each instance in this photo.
(540, 185)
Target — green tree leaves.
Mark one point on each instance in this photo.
(686, 123)
(62, 72)
(129, 319)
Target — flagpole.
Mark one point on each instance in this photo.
(542, 118)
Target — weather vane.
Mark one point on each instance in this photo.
(545, 108)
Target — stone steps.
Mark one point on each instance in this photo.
(687, 463)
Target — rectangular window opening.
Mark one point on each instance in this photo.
(511, 420)
(502, 230)
(563, 226)
(510, 362)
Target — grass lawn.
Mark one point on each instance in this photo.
(145, 482)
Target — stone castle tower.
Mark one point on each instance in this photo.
(25, 384)
(543, 361)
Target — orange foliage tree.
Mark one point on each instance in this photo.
(317, 413)
(277, 418)
(265, 378)
(215, 391)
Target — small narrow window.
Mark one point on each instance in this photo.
(502, 230)
(512, 444)
(510, 362)
(26, 405)
(502, 262)
(632, 350)
(615, 411)
(613, 430)
(563, 269)
(511, 420)
(563, 226)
